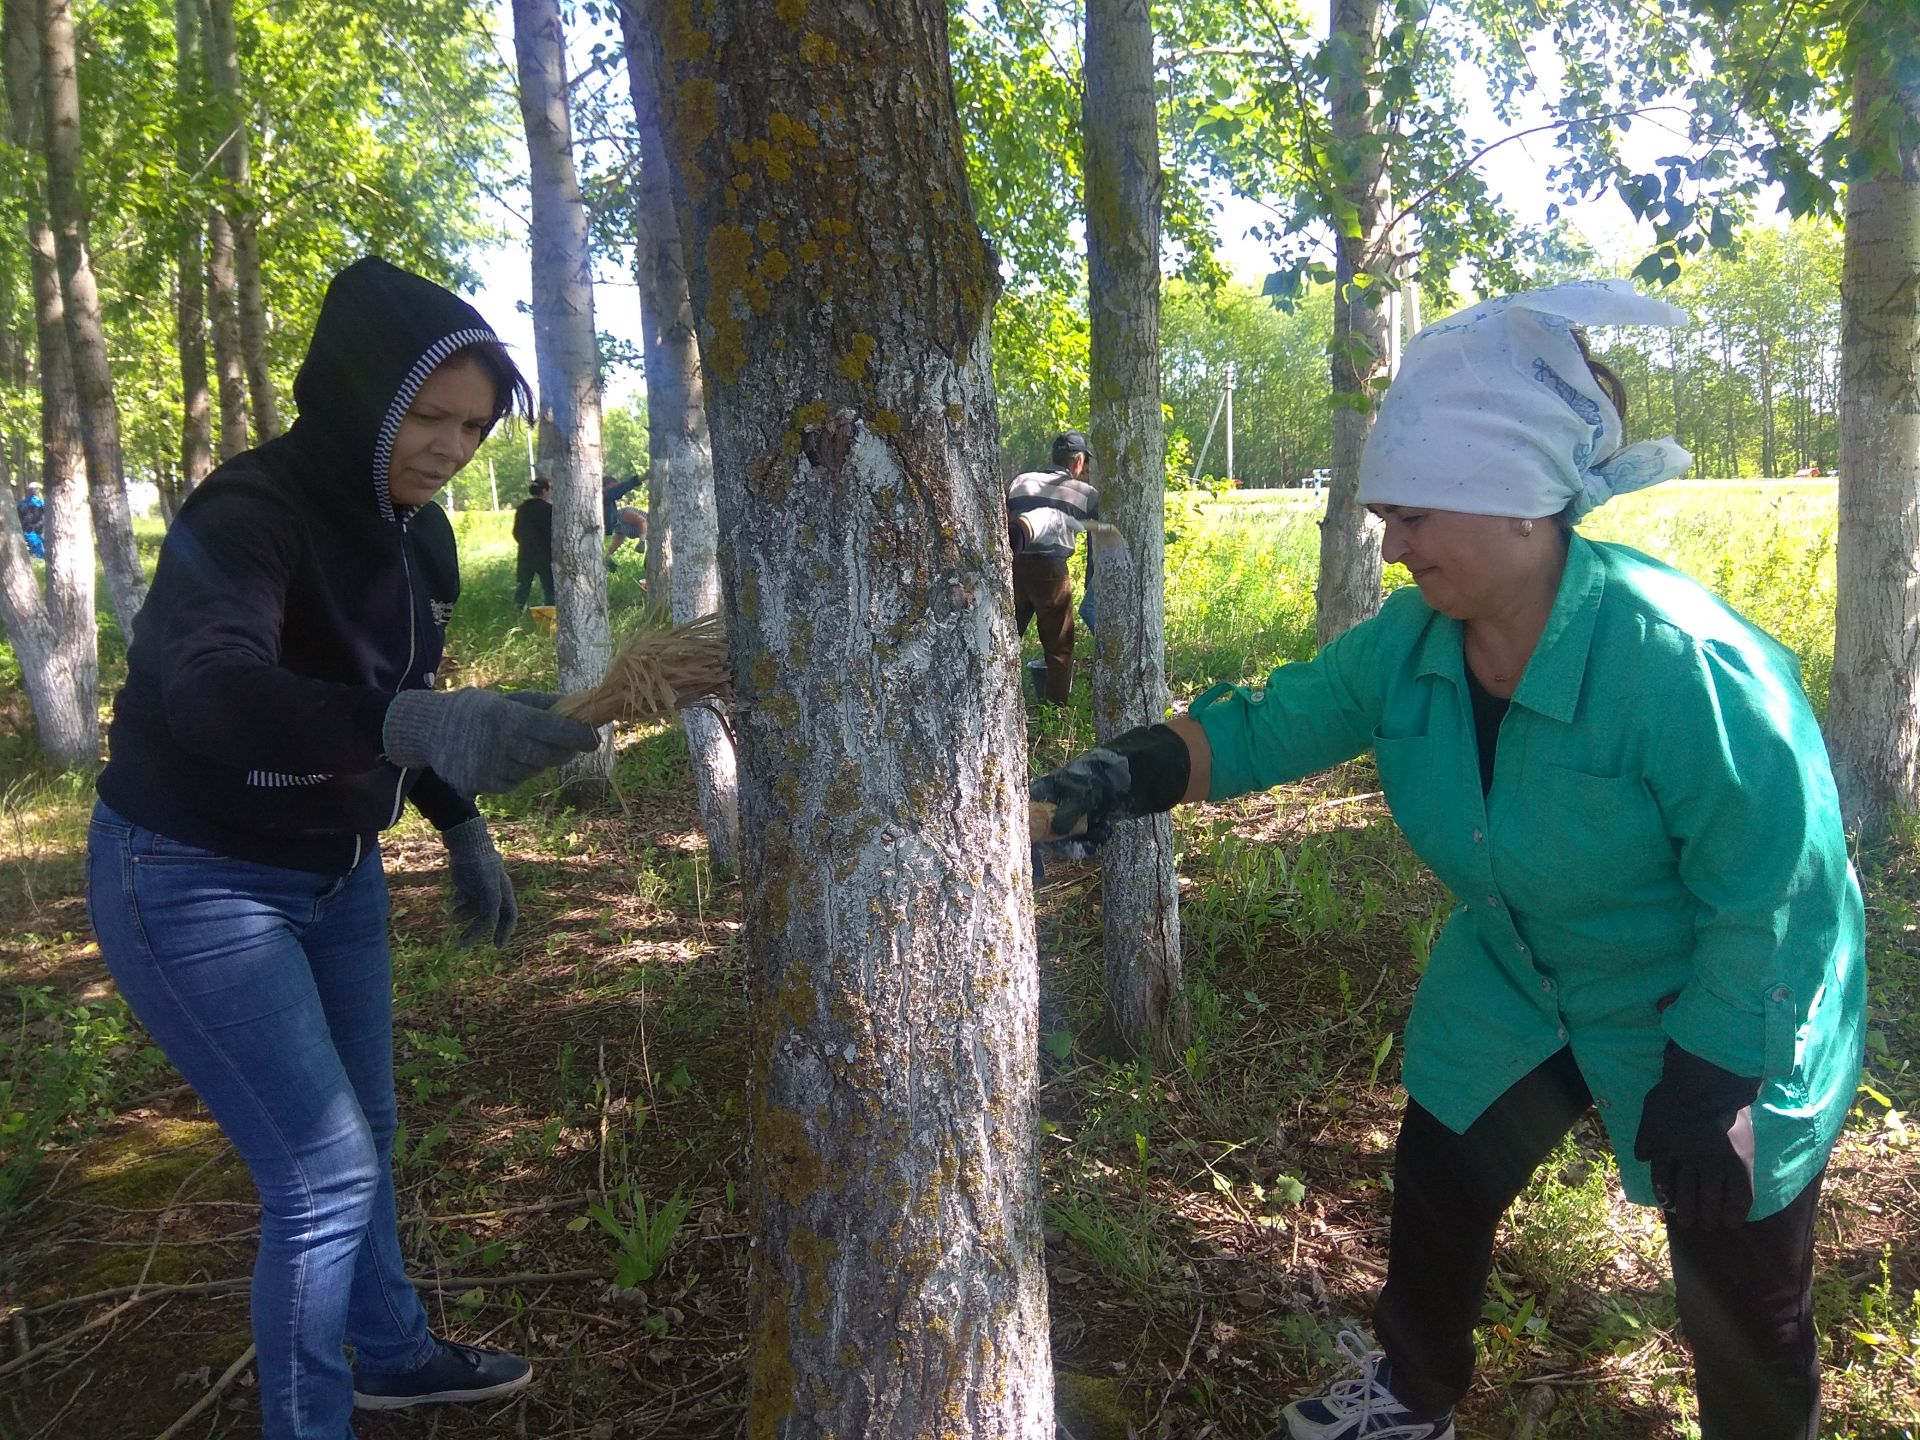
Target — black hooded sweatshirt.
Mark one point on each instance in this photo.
(292, 601)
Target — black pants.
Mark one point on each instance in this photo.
(527, 570)
(1745, 1295)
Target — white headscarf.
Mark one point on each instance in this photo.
(1494, 411)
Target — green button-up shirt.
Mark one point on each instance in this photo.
(1660, 855)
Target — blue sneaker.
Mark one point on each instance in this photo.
(456, 1375)
(1361, 1407)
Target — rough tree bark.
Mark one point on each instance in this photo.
(190, 315)
(54, 632)
(568, 357)
(687, 527)
(86, 334)
(1348, 589)
(236, 163)
(1873, 712)
(223, 311)
(843, 292)
(1140, 899)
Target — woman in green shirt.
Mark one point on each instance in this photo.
(1621, 781)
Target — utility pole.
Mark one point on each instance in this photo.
(1229, 422)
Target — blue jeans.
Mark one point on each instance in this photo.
(271, 991)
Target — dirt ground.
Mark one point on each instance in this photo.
(603, 1050)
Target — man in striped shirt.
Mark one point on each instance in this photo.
(1046, 511)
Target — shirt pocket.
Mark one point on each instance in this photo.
(1417, 775)
(1587, 842)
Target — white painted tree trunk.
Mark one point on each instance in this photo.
(568, 356)
(844, 292)
(1348, 588)
(1873, 712)
(86, 334)
(1140, 899)
(54, 632)
(683, 543)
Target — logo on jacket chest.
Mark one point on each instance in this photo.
(442, 612)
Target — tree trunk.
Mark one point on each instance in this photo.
(1873, 714)
(1348, 589)
(844, 293)
(1140, 900)
(224, 307)
(568, 356)
(55, 634)
(190, 318)
(236, 162)
(86, 335)
(683, 525)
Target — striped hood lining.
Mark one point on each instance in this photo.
(437, 353)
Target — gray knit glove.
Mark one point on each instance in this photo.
(482, 894)
(479, 740)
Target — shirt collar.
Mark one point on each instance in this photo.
(1551, 684)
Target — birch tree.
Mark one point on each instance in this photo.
(1140, 898)
(1873, 720)
(843, 293)
(1348, 588)
(86, 333)
(679, 448)
(53, 631)
(241, 213)
(223, 315)
(568, 360)
(190, 309)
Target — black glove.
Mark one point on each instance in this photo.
(1140, 772)
(1696, 1129)
(482, 894)
(479, 740)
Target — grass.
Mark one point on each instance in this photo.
(572, 1106)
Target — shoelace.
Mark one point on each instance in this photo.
(1355, 1399)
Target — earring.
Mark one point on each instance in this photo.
(1526, 528)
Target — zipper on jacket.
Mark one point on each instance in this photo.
(413, 640)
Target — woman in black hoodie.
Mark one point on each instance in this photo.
(279, 711)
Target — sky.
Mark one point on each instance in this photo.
(1516, 171)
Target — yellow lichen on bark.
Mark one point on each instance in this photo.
(853, 365)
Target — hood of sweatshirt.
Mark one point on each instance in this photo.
(382, 331)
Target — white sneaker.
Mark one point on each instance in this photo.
(1361, 1407)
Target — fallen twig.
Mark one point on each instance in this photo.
(213, 1393)
(227, 1287)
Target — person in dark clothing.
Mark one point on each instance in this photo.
(533, 535)
(279, 712)
(1046, 511)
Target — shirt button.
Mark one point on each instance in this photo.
(1546, 986)
(1602, 1101)
(1477, 836)
(1493, 901)
(1562, 1032)
(1780, 995)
